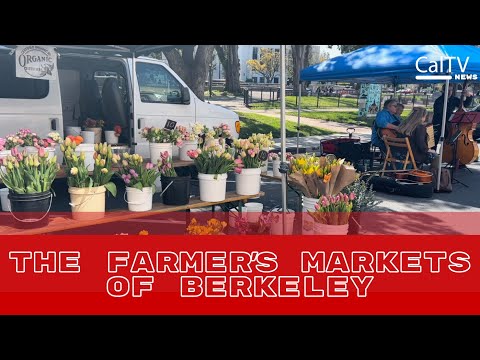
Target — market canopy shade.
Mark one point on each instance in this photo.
(396, 64)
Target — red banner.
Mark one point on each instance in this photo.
(316, 275)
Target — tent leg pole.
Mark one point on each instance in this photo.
(442, 134)
(299, 111)
(283, 132)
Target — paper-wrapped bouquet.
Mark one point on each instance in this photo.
(316, 176)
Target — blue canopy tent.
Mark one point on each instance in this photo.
(401, 64)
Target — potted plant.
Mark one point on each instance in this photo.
(29, 178)
(189, 139)
(264, 142)
(176, 189)
(364, 201)
(213, 163)
(160, 140)
(111, 136)
(332, 213)
(95, 125)
(87, 192)
(29, 140)
(139, 180)
(248, 167)
(8, 143)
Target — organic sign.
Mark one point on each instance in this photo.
(170, 124)
(36, 62)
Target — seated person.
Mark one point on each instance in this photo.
(415, 128)
(385, 119)
(398, 113)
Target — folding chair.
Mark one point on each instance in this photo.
(401, 143)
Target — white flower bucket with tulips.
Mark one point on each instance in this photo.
(187, 145)
(212, 165)
(160, 140)
(248, 161)
(158, 148)
(248, 181)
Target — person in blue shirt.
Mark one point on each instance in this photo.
(385, 119)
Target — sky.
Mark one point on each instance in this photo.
(333, 51)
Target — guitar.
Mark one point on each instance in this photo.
(388, 133)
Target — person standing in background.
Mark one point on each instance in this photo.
(453, 103)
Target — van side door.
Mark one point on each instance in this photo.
(158, 97)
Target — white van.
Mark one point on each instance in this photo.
(96, 82)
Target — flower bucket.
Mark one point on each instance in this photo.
(175, 151)
(87, 203)
(254, 210)
(139, 200)
(31, 150)
(72, 130)
(176, 190)
(212, 189)
(88, 137)
(98, 134)
(307, 220)
(248, 181)
(30, 210)
(3, 154)
(277, 226)
(187, 146)
(110, 137)
(276, 168)
(325, 229)
(4, 199)
(157, 148)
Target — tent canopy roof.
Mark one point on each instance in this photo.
(395, 64)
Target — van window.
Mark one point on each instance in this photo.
(157, 85)
(12, 87)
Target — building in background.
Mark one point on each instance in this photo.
(248, 52)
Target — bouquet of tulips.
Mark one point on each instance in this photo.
(213, 159)
(316, 176)
(29, 173)
(161, 135)
(77, 172)
(333, 210)
(246, 155)
(134, 174)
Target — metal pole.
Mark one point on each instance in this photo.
(283, 132)
(299, 111)
(442, 134)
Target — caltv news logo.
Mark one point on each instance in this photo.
(441, 69)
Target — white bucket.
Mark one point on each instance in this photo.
(110, 137)
(276, 168)
(88, 137)
(234, 214)
(212, 189)
(277, 226)
(139, 200)
(157, 148)
(158, 185)
(5, 153)
(187, 146)
(307, 220)
(248, 181)
(72, 130)
(254, 210)
(30, 150)
(325, 229)
(98, 134)
(4, 199)
(88, 149)
(175, 151)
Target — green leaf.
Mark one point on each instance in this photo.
(138, 186)
(112, 188)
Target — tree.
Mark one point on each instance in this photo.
(300, 60)
(228, 56)
(268, 64)
(346, 48)
(190, 63)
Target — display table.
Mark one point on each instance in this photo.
(66, 223)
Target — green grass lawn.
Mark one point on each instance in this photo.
(308, 102)
(255, 123)
(344, 117)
